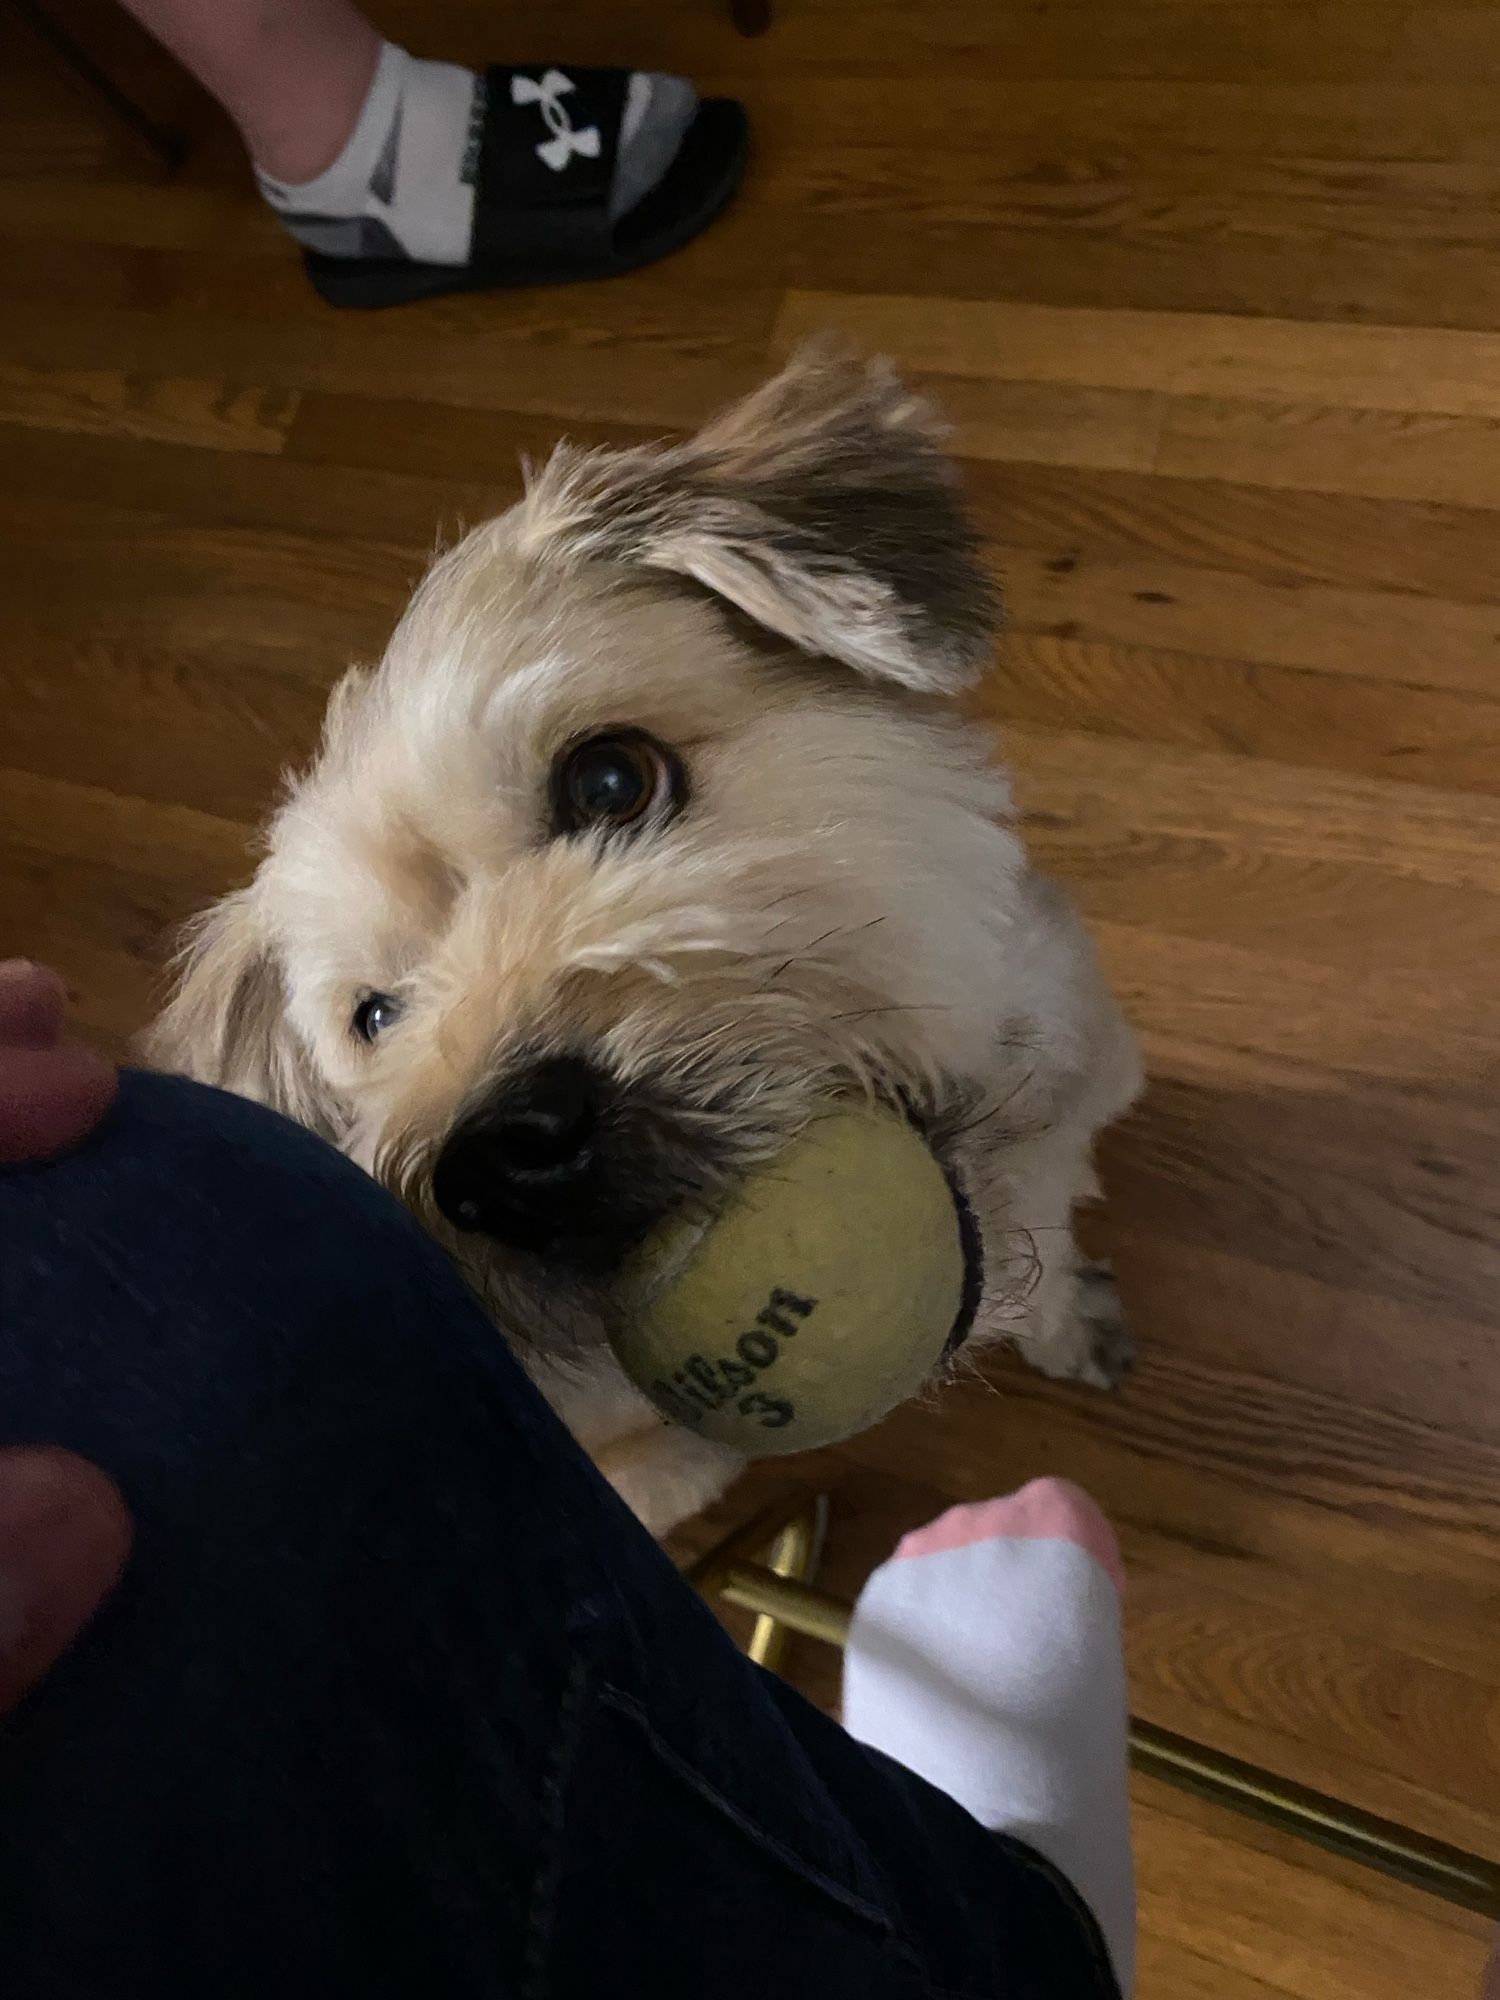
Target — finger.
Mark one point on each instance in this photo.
(65, 1538)
(31, 1005)
(51, 1099)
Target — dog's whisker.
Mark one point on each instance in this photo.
(803, 956)
(991, 1112)
(893, 1007)
(788, 896)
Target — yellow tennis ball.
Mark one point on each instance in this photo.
(820, 1295)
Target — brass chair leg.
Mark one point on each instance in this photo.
(793, 1556)
(785, 1598)
(784, 1542)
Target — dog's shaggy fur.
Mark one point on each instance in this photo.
(787, 601)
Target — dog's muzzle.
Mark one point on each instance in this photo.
(551, 1163)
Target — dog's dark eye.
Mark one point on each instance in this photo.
(616, 779)
(374, 1015)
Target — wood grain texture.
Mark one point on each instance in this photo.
(1211, 291)
(1324, 1935)
(177, 410)
(1366, 635)
(1340, 723)
(1353, 367)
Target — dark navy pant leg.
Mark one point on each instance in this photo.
(396, 1699)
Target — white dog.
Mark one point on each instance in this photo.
(654, 830)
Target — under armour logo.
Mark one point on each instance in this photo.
(567, 139)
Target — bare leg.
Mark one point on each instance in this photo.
(292, 74)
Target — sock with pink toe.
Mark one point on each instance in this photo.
(986, 1656)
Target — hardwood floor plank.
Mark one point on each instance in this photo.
(1327, 241)
(1275, 535)
(1383, 731)
(1311, 447)
(74, 823)
(96, 486)
(138, 213)
(1114, 794)
(360, 481)
(1355, 921)
(1409, 1726)
(1383, 1194)
(1372, 452)
(1208, 1006)
(1286, 200)
(1158, 257)
(668, 364)
(1330, 1936)
(182, 584)
(1227, 1310)
(1115, 430)
(1374, 1466)
(445, 442)
(1415, 369)
(1374, 635)
(209, 726)
(1183, 40)
(106, 402)
(1450, 120)
(110, 932)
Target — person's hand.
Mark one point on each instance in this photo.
(64, 1530)
(64, 1538)
(52, 1092)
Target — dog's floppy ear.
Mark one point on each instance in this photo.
(823, 506)
(226, 1021)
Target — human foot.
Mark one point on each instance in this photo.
(454, 179)
(986, 1656)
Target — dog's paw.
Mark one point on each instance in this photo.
(1095, 1345)
(1108, 1351)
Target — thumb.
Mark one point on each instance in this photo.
(65, 1537)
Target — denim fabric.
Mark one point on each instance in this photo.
(396, 1698)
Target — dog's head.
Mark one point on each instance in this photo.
(651, 832)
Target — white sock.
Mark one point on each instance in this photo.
(986, 1656)
(404, 184)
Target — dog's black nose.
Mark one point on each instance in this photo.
(524, 1167)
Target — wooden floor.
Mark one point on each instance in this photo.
(1212, 290)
